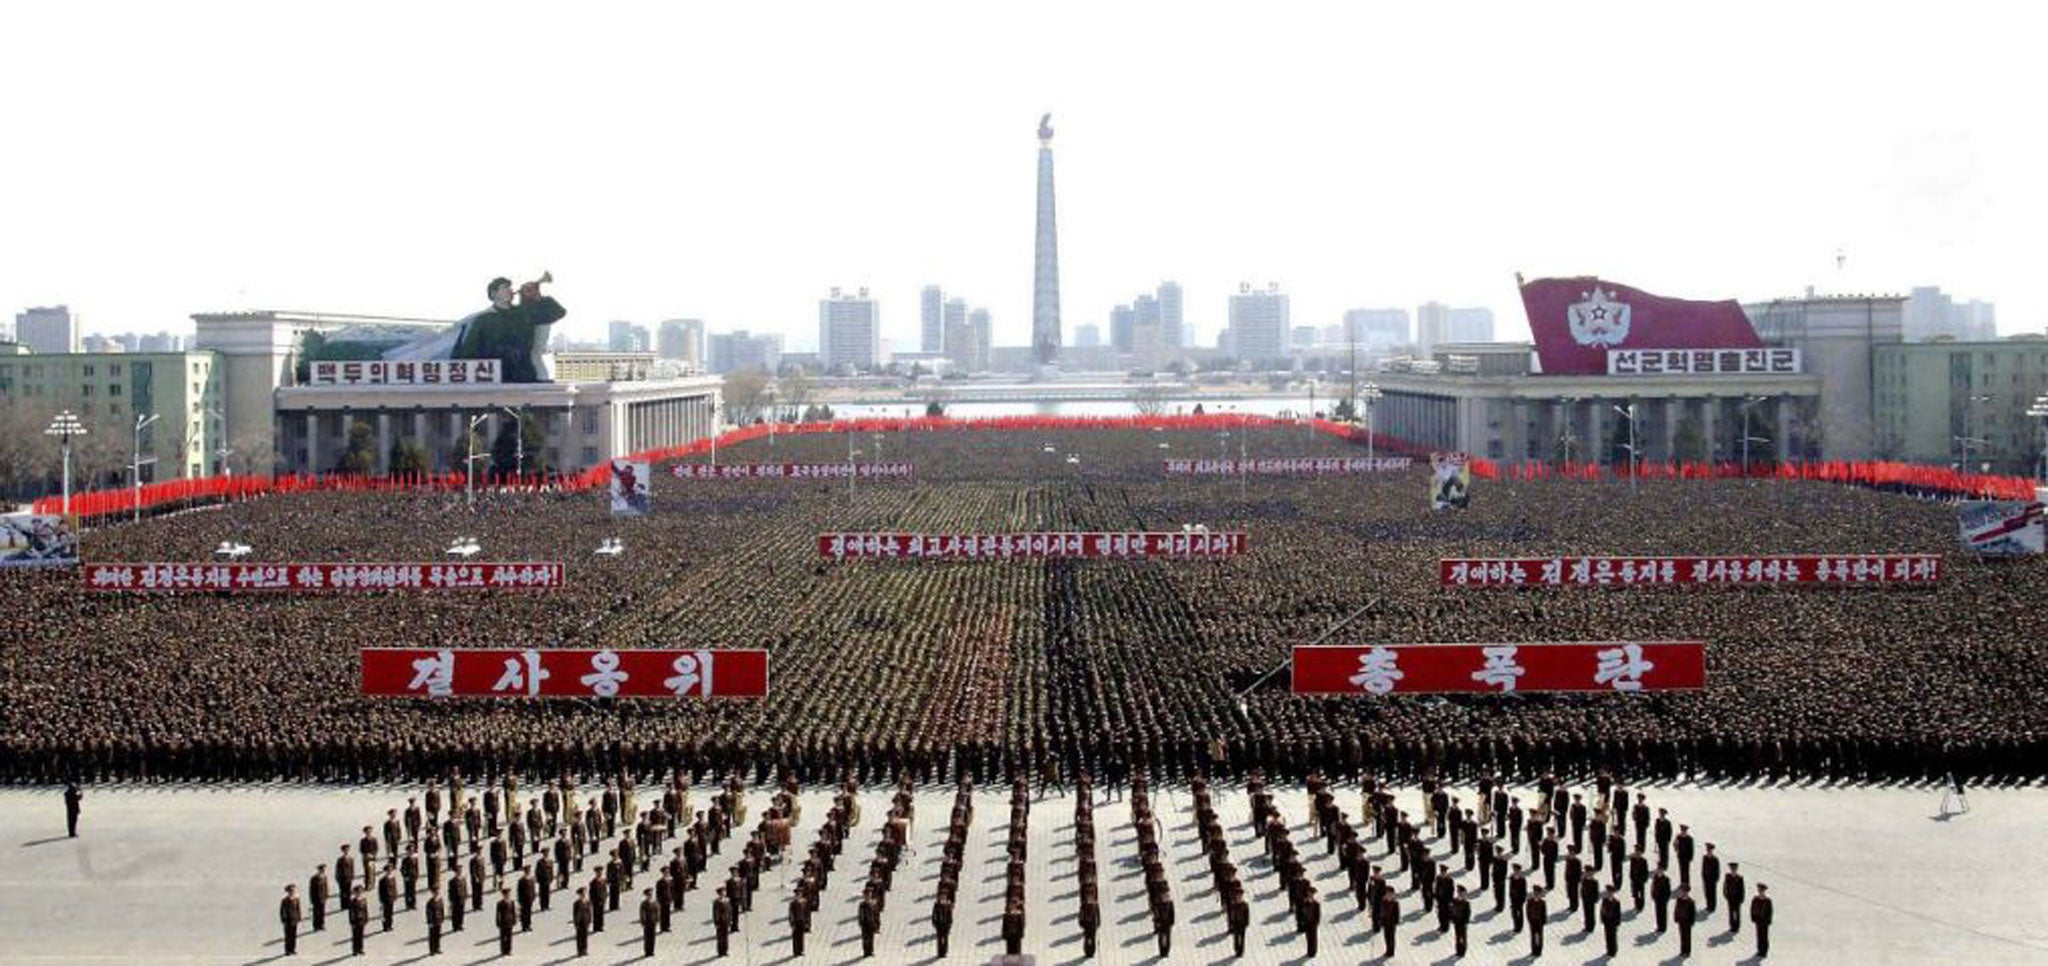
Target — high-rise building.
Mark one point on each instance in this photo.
(47, 329)
(1045, 274)
(1930, 313)
(1377, 330)
(101, 345)
(1471, 325)
(1432, 326)
(954, 314)
(742, 350)
(628, 337)
(931, 315)
(683, 340)
(1087, 336)
(1170, 315)
(849, 332)
(1121, 319)
(1305, 338)
(984, 335)
(1148, 336)
(963, 344)
(1259, 324)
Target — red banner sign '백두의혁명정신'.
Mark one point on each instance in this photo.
(1500, 668)
(564, 673)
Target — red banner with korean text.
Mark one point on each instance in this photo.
(1288, 466)
(1500, 668)
(1806, 570)
(793, 471)
(244, 577)
(563, 673)
(998, 546)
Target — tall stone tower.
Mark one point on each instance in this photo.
(1045, 275)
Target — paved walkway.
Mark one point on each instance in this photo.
(192, 874)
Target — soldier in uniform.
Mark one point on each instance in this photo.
(72, 798)
(1760, 916)
(358, 920)
(1710, 877)
(345, 873)
(579, 910)
(1461, 918)
(722, 920)
(650, 921)
(1685, 912)
(458, 900)
(387, 896)
(1389, 918)
(1308, 918)
(942, 924)
(1538, 913)
(508, 917)
(437, 911)
(528, 891)
(1732, 890)
(800, 923)
(1610, 920)
(410, 867)
(544, 878)
(289, 912)
(1683, 846)
(665, 891)
(1239, 916)
(316, 894)
(1589, 900)
(1660, 897)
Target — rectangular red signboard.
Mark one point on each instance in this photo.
(564, 673)
(997, 546)
(793, 471)
(1288, 466)
(1850, 569)
(244, 577)
(1500, 668)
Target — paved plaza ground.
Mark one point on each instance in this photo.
(192, 874)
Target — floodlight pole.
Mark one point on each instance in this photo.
(518, 440)
(65, 426)
(469, 464)
(1369, 394)
(135, 468)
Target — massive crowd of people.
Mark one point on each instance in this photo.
(998, 668)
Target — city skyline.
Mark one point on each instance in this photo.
(1282, 170)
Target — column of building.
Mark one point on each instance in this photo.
(1782, 416)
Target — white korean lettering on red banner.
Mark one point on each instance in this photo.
(1037, 546)
(1619, 667)
(1287, 466)
(320, 577)
(380, 373)
(1813, 570)
(564, 673)
(793, 471)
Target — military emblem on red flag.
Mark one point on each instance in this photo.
(1599, 320)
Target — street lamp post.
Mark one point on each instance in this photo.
(1746, 437)
(469, 463)
(221, 452)
(1629, 413)
(518, 441)
(141, 423)
(65, 426)
(1367, 395)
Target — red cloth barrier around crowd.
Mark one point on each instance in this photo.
(175, 493)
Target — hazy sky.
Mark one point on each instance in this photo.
(734, 161)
